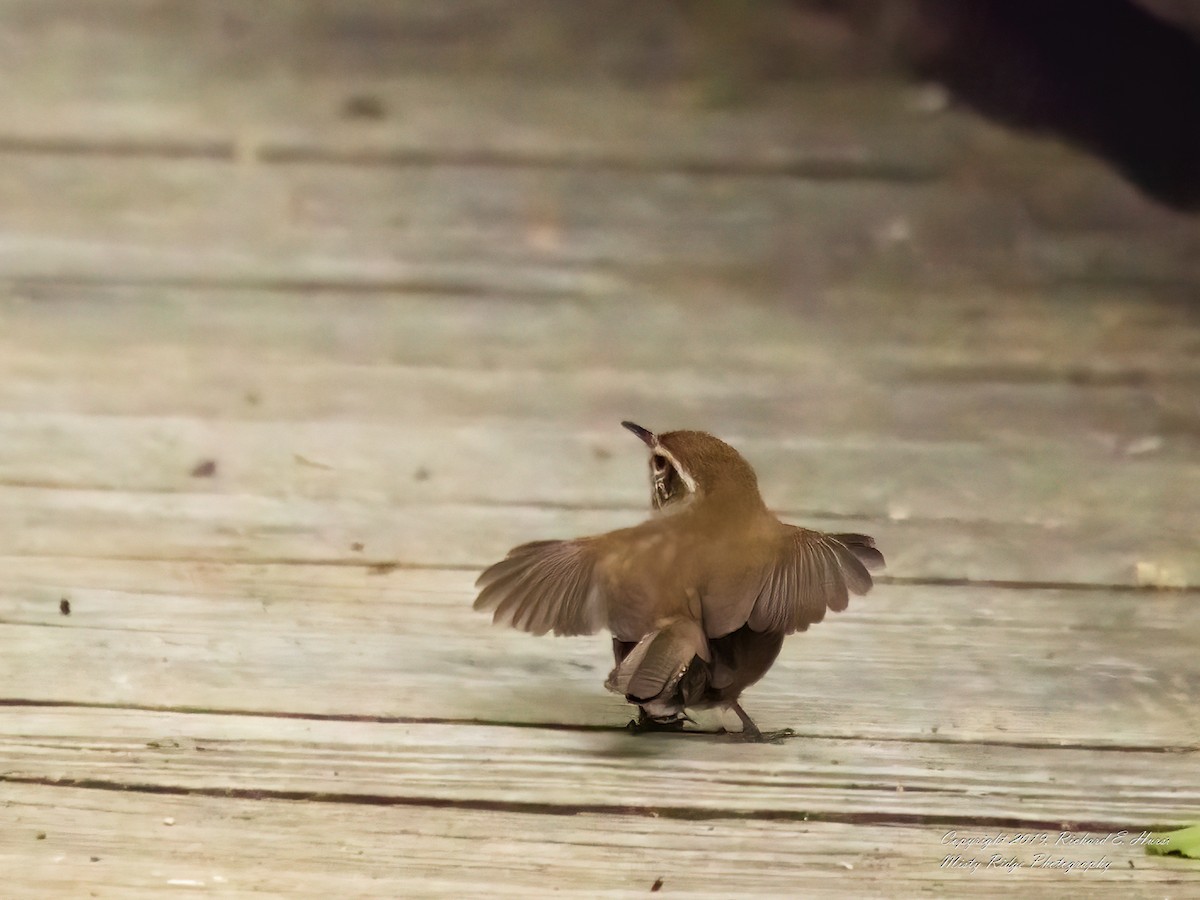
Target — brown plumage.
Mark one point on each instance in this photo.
(700, 597)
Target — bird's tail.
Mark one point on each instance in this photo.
(654, 673)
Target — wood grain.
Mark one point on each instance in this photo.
(231, 846)
(1101, 336)
(464, 79)
(688, 776)
(484, 229)
(452, 461)
(460, 92)
(214, 528)
(1097, 480)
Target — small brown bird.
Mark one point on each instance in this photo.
(698, 598)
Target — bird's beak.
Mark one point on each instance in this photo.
(646, 435)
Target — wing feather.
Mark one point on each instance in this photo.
(545, 586)
(810, 573)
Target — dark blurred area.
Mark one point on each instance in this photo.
(1120, 78)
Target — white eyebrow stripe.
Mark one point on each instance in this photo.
(687, 479)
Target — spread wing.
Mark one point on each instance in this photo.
(546, 586)
(812, 572)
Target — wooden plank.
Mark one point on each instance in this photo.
(227, 846)
(490, 229)
(531, 462)
(1098, 337)
(1139, 346)
(477, 227)
(939, 665)
(525, 39)
(1108, 424)
(680, 776)
(462, 78)
(460, 226)
(217, 528)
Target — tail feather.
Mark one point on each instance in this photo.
(654, 668)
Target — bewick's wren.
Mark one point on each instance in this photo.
(699, 598)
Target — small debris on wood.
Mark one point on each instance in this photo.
(205, 469)
(363, 106)
(422, 474)
(169, 820)
(382, 568)
(311, 463)
(41, 836)
(94, 858)
(357, 546)
(657, 886)
(64, 606)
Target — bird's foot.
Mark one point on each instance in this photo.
(748, 736)
(750, 733)
(644, 724)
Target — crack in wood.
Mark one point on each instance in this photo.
(122, 148)
(1081, 586)
(930, 581)
(597, 809)
(441, 287)
(1079, 376)
(359, 718)
(830, 168)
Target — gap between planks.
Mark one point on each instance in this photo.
(383, 567)
(694, 777)
(678, 813)
(18, 703)
(830, 169)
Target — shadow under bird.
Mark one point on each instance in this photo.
(698, 598)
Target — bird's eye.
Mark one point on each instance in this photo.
(659, 462)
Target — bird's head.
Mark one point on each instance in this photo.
(691, 466)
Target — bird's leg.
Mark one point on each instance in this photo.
(750, 732)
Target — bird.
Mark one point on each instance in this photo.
(698, 598)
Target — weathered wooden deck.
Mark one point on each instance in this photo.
(398, 270)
